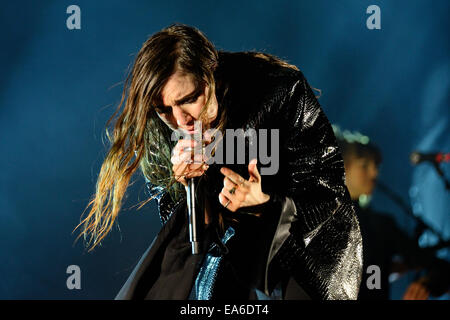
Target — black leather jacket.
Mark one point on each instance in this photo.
(311, 240)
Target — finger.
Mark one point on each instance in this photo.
(224, 201)
(191, 147)
(196, 153)
(407, 294)
(183, 166)
(180, 178)
(183, 175)
(180, 169)
(253, 171)
(237, 197)
(187, 156)
(183, 158)
(422, 293)
(227, 183)
(183, 181)
(233, 176)
(413, 291)
(179, 172)
(196, 169)
(195, 174)
(410, 292)
(182, 144)
(195, 166)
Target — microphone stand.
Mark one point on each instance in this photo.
(441, 174)
(436, 158)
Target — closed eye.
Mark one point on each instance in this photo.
(163, 110)
(168, 109)
(192, 100)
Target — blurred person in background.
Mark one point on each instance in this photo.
(383, 240)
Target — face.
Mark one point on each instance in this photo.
(360, 176)
(182, 104)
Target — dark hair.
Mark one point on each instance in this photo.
(140, 138)
(357, 149)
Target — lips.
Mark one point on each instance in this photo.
(188, 130)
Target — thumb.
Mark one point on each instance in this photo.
(253, 171)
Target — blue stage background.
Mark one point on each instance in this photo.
(60, 86)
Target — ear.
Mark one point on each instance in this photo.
(253, 171)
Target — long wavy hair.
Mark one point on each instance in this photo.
(140, 138)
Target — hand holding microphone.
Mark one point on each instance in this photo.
(186, 163)
(189, 162)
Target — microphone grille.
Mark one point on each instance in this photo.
(414, 157)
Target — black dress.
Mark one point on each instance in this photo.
(231, 263)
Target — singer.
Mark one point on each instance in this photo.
(288, 235)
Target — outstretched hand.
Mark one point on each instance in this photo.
(239, 192)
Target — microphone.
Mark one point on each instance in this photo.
(435, 158)
(194, 232)
(194, 218)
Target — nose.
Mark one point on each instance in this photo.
(182, 118)
(374, 172)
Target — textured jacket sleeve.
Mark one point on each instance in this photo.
(317, 240)
(165, 204)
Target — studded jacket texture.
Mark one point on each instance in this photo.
(307, 239)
